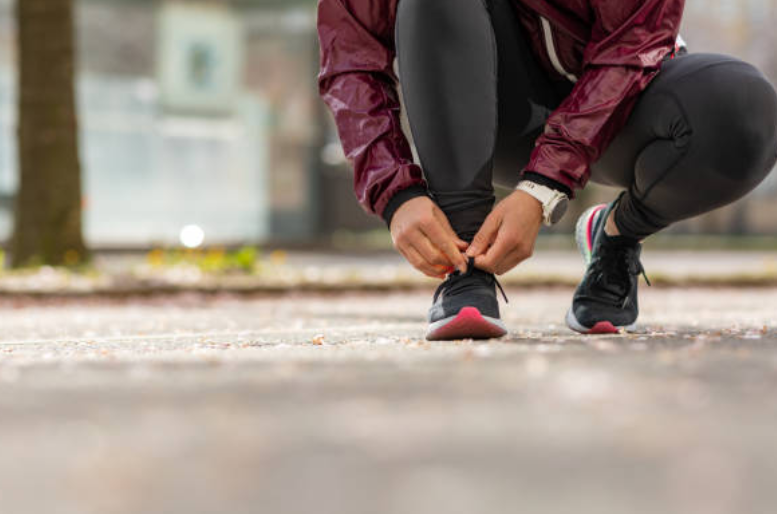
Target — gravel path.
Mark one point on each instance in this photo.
(334, 404)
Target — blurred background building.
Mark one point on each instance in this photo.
(206, 113)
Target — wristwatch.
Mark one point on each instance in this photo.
(554, 203)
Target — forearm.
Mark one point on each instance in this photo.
(627, 48)
(357, 82)
(579, 131)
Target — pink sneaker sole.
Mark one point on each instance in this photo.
(603, 327)
(467, 324)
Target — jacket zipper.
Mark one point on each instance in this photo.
(550, 46)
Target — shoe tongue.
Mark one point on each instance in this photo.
(622, 241)
(619, 260)
(473, 279)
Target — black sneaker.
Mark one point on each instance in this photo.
(466, 307)
(606, 300)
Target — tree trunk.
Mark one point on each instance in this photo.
(48, 205)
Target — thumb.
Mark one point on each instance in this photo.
(484, 237)
(446, 225)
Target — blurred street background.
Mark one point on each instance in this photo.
(206, 113)
(196, 316)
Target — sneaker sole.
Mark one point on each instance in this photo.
(469, 323)
(603, 327)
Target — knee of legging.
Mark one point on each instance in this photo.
(760, 122)
(745, 148)
(415, 8)
(768, 121)
(425, 12)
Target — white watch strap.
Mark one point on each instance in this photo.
(542, 193)
(549, 198)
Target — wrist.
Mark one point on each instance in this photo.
(553, 203)
(531, 200)
(542, 180)
(400, 198)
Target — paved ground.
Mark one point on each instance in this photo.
(555, 267)
(564, 263)
(334, 405)
(318, 270)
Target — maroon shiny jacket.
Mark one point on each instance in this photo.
(611, 49)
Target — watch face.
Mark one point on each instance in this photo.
(559, 210)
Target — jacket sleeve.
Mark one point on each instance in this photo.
(358, 84)
(629, 41)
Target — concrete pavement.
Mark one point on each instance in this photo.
(334, 404)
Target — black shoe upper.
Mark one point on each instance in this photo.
(475, 288)
(609, 289)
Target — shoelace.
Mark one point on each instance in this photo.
(619, 263)
(454, 280)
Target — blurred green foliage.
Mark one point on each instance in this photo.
(214, 260)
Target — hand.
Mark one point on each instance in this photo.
(508, 235)
(422, 234)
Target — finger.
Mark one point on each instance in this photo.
(407, 247)
(419, 263)
(509, 262)
(485, 236)
(442, 240)
(429, 252)
(485, 264)
(445, 224)
(519, 255)
(495, 255)
(515, 255)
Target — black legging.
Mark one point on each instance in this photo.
(702, 135)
